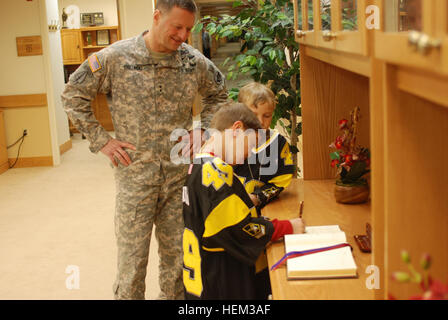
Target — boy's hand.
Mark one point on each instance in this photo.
(298, 225)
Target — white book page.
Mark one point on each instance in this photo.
(322, 229)
(332, 263)
(306, 241)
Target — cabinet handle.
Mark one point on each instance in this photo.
(423, 43)
(300, 33)
(413, 38)
(328, 35)
(426, 44)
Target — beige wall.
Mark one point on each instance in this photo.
(135, 16)
(23, 75)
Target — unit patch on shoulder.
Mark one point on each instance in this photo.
(94, 63)
(255, 230)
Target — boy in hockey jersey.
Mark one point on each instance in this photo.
(270, 168)
(224, 235)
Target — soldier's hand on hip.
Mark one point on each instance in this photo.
(114, 150)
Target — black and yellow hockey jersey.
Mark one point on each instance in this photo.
(223, 236)
(269, 169)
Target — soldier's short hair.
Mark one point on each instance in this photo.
(254, 93)
(167, 5)
(231, 112)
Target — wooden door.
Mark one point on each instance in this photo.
(71, 46)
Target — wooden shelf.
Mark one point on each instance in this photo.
(94, 47)
(320, 209)
(99, 28)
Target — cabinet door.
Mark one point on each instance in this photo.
(71, 46)
(304, 16)
(351, 30)
(332, 24)
(414, 33)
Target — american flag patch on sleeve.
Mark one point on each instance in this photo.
(94, 63)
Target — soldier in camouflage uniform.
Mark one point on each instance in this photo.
(151, 81)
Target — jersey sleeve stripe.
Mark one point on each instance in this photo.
(213, 249)
(268, 142)
(229, 212)
(281, 181)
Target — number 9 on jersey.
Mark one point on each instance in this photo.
(192, 263)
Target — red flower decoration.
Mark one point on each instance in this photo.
(343, 123)
(334, 163)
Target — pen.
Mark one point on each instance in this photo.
(301, 210)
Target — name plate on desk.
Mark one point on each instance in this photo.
(29, 46)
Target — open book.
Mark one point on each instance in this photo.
(336, 263)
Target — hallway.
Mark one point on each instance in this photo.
(55, 217)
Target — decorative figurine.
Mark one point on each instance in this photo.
(64, 19)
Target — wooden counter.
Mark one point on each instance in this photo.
(320, 208)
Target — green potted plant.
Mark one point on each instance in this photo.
(269, 54)
(352, 162)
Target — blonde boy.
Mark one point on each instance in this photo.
(269, 170)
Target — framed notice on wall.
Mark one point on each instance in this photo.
(29, 46)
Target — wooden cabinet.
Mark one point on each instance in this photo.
(77, 45)
(4, 164)
(71, 46)
(401, 89)
(415, 34)
(332, 24)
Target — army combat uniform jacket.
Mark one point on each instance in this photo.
(148, 99)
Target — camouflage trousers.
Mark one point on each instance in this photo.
(147, 194)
